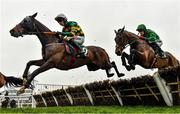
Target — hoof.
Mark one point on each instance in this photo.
(121, 74)
(21, 91)
(132, 67)
(113, 63)
(128, 68)
(24, 81)
(110, 75)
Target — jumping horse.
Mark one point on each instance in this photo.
(54, 54)
(140, 52)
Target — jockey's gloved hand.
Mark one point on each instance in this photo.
(146, 39)
(59, 33)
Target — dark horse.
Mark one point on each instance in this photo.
(10, 81)
(140, 52)
(54, 53)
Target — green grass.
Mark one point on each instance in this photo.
(95, 109)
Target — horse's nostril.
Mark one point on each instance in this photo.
(11, 31)
(118, 52)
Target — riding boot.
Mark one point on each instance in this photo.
(80, 51)
(158, 50)
(161, 53)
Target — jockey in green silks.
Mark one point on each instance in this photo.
(152, 38)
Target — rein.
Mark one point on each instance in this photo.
(38, 32)
(53, 33)
(130, 43)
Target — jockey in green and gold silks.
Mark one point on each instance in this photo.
(71, 28)
(71, 32)
(152, 38)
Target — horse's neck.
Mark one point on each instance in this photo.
(44, 39)
(134, 40)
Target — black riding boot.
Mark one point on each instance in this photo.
(158, 50)
(80, 52)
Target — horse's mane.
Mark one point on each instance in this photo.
(44, 28)
(130, 34)
(134, 36)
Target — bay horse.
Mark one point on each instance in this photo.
(54, 54)
(10, 81)
(140, 52)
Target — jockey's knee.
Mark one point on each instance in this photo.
(159, 43)
(79, 40)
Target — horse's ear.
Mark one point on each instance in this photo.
(34, 15)
(115, 31)
(122, 30)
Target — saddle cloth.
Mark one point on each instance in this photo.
(73, 50)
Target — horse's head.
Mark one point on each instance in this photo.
(120, 40)
(25, 27)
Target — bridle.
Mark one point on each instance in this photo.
(128, 42)
(33, 28)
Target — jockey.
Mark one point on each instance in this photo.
(71, 32)
(152, 38)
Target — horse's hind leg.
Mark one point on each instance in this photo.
(115, 67)
(94, 67)
(125, 56)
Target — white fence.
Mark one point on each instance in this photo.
(26, 99)
(40, 88)
(23, 100)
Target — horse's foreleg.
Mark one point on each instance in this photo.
(125, 56)
(115, 67)
(46, 66)
(42, 68)
(131, 61)
(108, 73)
(28, 65)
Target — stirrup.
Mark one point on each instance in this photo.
(163, 56)
(81, 55)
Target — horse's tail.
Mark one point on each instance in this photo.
(13, 81)
(173, 59)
